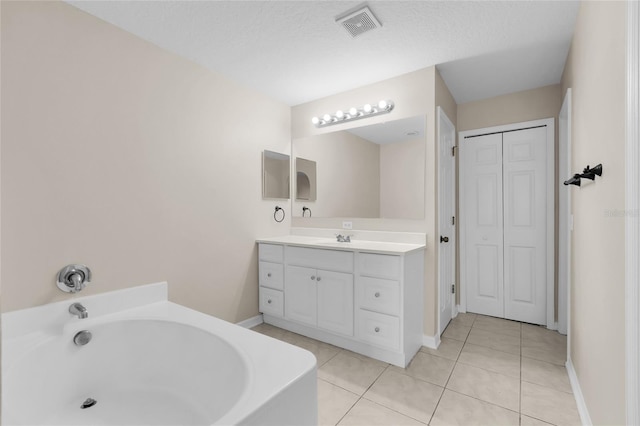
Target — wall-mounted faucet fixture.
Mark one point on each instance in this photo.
(73, 278)
(306, 209)
(78, 310)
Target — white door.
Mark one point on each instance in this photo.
(335, 301)
(483, 272)
(506, 210)
(300, 291)
(525, 225)
(446, 213)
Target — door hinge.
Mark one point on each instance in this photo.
(453, 220)
(453, 289)
(453, 151)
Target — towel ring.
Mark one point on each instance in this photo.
(275, 214)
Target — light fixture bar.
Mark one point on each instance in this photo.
(340, 116)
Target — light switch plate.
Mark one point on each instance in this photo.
(347, 225)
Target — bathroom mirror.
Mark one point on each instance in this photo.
(305, 180)
(372, 171)
(275, 175)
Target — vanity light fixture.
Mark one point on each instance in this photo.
(340, 116)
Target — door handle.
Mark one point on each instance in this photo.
(444, 239)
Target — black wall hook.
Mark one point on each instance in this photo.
(597, 170)
(575, 180)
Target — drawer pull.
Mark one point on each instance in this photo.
(377, 329)
(269, 301)
(269, 274)
(313, 277)
(319, 278)
(377, 294)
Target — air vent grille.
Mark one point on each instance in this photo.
(359, 22)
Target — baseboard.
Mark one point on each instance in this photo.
(460, 310)
(577, 393)
(431, 342)
(251, 322)
(553, 326)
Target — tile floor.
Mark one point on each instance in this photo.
(487, 371)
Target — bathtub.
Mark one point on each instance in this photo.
(149, 362)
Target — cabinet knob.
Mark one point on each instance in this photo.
(313, 277)
(318, 278)
(269, 274)
(269, 301)
(377, 329)
(377, 294)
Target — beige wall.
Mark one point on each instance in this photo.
(401, 166)
(535, 104)
(347, 175)
(595, 71)
(413, 94)
(131, 160)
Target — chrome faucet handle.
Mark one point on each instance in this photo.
(347, 239)
(73, 278)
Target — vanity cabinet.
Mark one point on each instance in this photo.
(364, 301)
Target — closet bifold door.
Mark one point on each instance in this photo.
(524, 198)
(484, 224)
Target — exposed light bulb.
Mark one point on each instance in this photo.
(315, 120)
(383, 104)
(353, 111)
(367, 108)
(339, 114)
(326, 118)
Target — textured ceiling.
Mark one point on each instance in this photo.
(295, 52)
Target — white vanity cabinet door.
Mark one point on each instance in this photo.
(300, 290)
(335, 301)
(271, 302)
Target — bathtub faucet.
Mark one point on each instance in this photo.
(78, 310)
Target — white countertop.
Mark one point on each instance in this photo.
(354, 245)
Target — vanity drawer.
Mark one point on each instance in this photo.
(379, 329)
(271, 252)
(332, 260)
(271, 275)
(379, 295)
(271, 302)
(379, 265)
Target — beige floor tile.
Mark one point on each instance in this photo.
(465, 318)
(530, 421)
(351, 373)
(545, 374)
(498, 325)
(456, 331)
(549, 405)
(405, 394)
(323, 351)
(368, 413)
(271, 331)
(544, 345)
(449, 348)
(430, 368)
(333, 403)
(500, 342)
(458, 409)
(486, 385)
(491, 359)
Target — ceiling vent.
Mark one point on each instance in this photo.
(359, 22)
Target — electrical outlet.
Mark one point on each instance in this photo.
(347, 225)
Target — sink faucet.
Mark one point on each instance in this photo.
(78, 310)
(343, 238)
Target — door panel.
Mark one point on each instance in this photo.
(300, 290)
(335, 301)
(446, 212)
(483, 224)
(525, 225)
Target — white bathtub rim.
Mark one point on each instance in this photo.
(275, 376)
